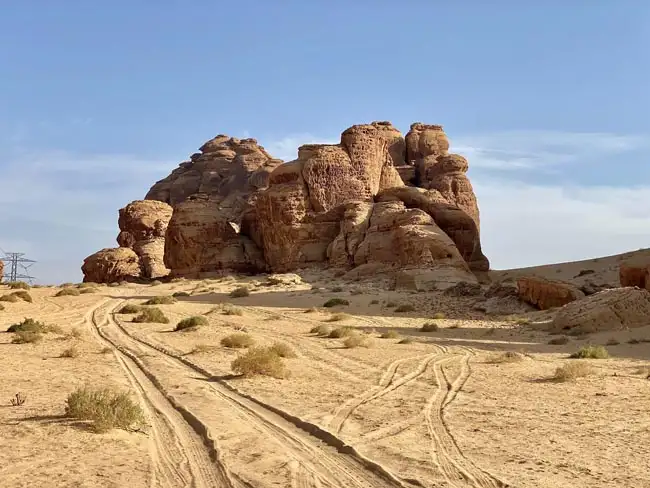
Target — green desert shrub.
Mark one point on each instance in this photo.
(335, 302)
(180, 294)
(67, 292)
(160, 300)
(191, 322)
(151, 315)
(260, 361)
(130, 308)
(237, 341)
(590, 352)
(240, 292)
(405, 308)
(105, 408)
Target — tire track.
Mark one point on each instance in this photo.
(174, 438)
(336, 462)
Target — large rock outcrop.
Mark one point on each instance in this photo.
(111, 265)
(545, 294)
(635, 273)
(344, 205)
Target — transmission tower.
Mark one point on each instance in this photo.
(18, 267)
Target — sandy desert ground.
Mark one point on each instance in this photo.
(447, 409)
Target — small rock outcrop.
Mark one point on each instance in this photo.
(545, 294)
(111, 265)
(635, 273)
(613, 309)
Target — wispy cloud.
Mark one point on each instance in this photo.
(287, 147)
(542, 150)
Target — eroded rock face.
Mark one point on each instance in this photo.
(225, 165)
(111, 265)
(635, 273)
(545, 294)
(143, 224)
(202, 238)
(613, 309)
(2, 269)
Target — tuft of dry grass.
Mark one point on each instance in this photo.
(390, 334)
(70, 352)
(356, 340)
(161, 300)
(179, 294)
(74, 333)
(151, 315)
(237, 341)
(505, 357)
(240, 292)
(67, 292)
(31, 325)
(130, 308)
(336, 302)
(341, 332)
(283, 350)
(559, 341)
(590, 352)
(191, 322)
(571, 371)
(105, 350)
(321, 330)
(12, 298)
(105, 407)
(260, 361)
(229, 309)
(23, 295)
(405, 308)
(86, 290)
(18, 285)
(338, 317)
(430, 327)
(27, 337)
(202, 349)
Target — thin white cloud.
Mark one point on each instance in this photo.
(287, 148)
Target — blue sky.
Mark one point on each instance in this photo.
(549, 102)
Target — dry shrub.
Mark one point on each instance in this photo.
(180, 294)
(191, 322)
(505, 357)
(151, 315)
(338, 317)
(31, 325)
(321, 330)
(283, 350)
(237, 341)
(106, 408)
(571, 371)
(23, 295)
(429, 327)
(260, 361)
(130, 308)
(87, 284)
(390, 334)
(86, 290)
(405, 308)
(406, 340)
(105, 350)
(229, 309)
(70, 352)
(160, 300)
(240, 292)
(590, 352)
(27, 337)
(67, 292)
(335, 302)
(438, 316)
(202, 348)
(341, 332)
(16, 285)
(356, 340)
(13, 298)
(559, 341)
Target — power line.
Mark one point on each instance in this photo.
(18, 266)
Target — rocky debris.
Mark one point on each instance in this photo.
(635, 273)
(224, 166)
(502, 289)
(464, 289)
(545, 294)
(111, 265)
(613, 309)
(508, 305)
(589, 288)
(143, 224)
(285, 279)
(440, 277)
(202, 239)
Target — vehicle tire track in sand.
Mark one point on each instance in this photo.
(321, 452)
(179, 449)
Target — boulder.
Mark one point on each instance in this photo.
(111, 265)
(225, 165)
(613, 309)
(143, 224)
(635, 273)
(202, 238)
(545, 294)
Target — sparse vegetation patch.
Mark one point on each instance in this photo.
(260, 361)
(151, 315)
(590, 352)
(335, 302)
(321, 330)
(283, 350)
(429, 327)
(571, 371)
(161, 300)
(341, 332)
(191, 322)
(105, 408)
(356, 340)
(16, 285)
(237, 341)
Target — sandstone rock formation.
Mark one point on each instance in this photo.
(225, 166)
(614, 309)
(111, 265)
(545, 294)
(635, 273)
(2, 270)
(343, 205)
